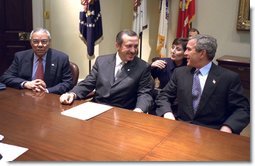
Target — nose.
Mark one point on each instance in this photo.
(173, 50)
(186, 53)
(133, 49)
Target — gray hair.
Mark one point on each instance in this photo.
(43, 30)
(207, 43)
(128, 32)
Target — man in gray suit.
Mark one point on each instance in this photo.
(130, 88)
(222, 104)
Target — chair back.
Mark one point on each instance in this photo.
(75, 72)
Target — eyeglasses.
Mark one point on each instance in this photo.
(37, 42)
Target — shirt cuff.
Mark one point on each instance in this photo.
(22, 84)
(138, 110)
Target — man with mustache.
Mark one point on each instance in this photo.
(41, 68)
(120, 79)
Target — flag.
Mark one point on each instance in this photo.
(91, 30)
(163, 29)
(186, 15)
(140, 16)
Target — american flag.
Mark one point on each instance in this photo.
(186, 14)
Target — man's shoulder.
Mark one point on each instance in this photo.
(141, 62)
(106, 56)
(183, 69)
(57, 52)
(224, 71)
(24, 52)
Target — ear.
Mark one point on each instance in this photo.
(203, 54)
(117, 45)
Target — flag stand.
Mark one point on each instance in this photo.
(141, 40)
(89, 66)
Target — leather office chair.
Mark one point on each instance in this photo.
(75, 72)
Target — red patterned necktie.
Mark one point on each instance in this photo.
(39, 72)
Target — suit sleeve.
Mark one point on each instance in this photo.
(11, 76)
(238, 106)
(88, 84)
(144, 93)
(66, 82)
(166, 96)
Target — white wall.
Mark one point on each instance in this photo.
(215, 17)
(218, 18)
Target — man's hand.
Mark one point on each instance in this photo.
(37, 85)
(169, 115)
(67, 98)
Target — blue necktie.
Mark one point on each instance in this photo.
(196, 90)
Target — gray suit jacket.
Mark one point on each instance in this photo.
(222, 100)
(57, 76)
(132, 90)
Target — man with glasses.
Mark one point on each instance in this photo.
(41, 69)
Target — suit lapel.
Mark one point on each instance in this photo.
(127, 69)
(50, 67)
(210, 85)
(109, 71)
(29, 63)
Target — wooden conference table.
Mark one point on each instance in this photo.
(35, 122)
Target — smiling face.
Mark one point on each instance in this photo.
(128, 49)
(40, 43)
(193, 57)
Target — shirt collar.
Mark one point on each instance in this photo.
(43, 58)
(118, 60)
(205, 70)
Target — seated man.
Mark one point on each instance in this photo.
(208, 95)
(41, 68)
(120, 79)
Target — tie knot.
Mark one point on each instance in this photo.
(197, 72)
(40, 59)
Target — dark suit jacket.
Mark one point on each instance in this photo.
(222, 100)
(131, 90)
(57, 76)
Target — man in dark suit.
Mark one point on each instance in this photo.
(55, 75)
(133, 86)
(222, 104)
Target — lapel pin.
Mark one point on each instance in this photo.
(52, 64)
(128, 69)
(214, 81)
